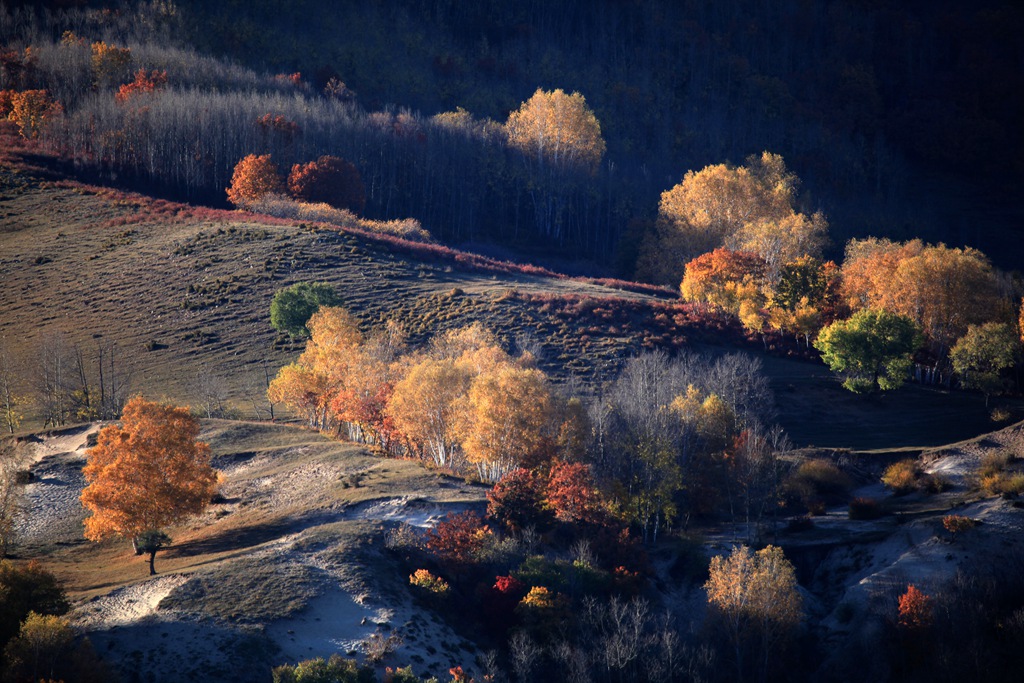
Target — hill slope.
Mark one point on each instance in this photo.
(289, 565)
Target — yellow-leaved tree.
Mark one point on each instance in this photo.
(754, 600)
(743, 208)
(507, 412)
(557, 129)
(145, 475)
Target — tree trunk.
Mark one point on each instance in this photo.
(152, 557)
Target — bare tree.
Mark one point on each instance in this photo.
(525, 654)
(11, 461)
(10, 399)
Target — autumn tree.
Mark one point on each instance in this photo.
(309, 384)
(573, 495)
(254, 177)
(944, 290)
(43, 644)
(32, 110)
(517, 500)
(110, 63)
(755, 602)
(506, 413)
(329, 179)
(561, 143)
(873, 349)
(915, 609)
(292, 307)
(726, 279)
(981, 355)
(745, 208)
(426, 403)
(557, 129)
(144, 82)
(146, 474)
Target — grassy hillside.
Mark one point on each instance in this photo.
(184, 293)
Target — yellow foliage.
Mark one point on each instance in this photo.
(557, 129)
(507, 410)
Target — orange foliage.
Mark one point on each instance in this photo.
(915, 609)
(943, 290)
(145, 82)
(458, 538)
(724, 278)
(557, 129)
(146, 474)
(255, 176)
(109, 62)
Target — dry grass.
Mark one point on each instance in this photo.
(281, 485)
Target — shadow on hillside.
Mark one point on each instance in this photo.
(234, 539)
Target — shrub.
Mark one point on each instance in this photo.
(422, 578)
(992, 463)
(865, 508)
(1003, 484)
(458, 538)
(956, 524)
(818, 482)
(902, 476)
(517, 501)
(915, 609)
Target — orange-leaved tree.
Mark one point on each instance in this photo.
(255, 176)
(32, 110)
(915, 609)
(145, 475)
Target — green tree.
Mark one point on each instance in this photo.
(292, 307)
(42, 645)
(873, 349)
(982, 354)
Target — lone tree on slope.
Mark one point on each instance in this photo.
(145, 475)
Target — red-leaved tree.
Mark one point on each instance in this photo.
(331, 180)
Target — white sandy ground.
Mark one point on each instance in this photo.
(130, 626)
(870, 559)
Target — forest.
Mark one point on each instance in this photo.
(568, 341)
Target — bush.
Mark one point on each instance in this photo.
(865, 508)
(1003, 484)
(292, 307)
(422, 578)
(902, 476)
(956, 524)
(818, 480)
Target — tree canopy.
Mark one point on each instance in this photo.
(292, 307)
(146, 474)
(557, 129)
(872, 348)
